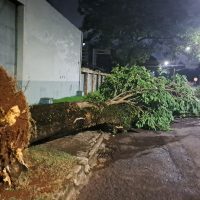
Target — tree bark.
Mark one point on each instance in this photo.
(55, 119)
(61, 119)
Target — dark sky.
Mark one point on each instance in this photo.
(69, 9)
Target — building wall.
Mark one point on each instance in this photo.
(8, 35)
(51, 53)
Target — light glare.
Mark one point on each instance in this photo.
(187, 49)
(166, 63)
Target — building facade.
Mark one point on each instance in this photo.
(41, 48)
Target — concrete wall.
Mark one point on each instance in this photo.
(51, 53)
(8, 35)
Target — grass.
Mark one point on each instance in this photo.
(69, 99)
(46, 176)
(51, 157)
(47, 172)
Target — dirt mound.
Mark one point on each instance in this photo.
(14, 128)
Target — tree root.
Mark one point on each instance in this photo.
(14, 129)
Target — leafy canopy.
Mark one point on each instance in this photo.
(133, 27)
(191, 40)
(155, 101)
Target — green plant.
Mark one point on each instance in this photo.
(155, 100)
(96, 97)
(197, 92)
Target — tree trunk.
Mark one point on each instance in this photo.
(66, 118)
(55, 119)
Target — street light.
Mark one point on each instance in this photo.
(187, 49)
(83, 44)
(166, 63)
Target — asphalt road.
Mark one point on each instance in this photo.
(149, 166)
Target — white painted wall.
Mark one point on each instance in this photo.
(51, 52)
(8, 35)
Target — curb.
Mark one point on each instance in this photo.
(81, 173)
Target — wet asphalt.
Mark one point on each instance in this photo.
(149, 166)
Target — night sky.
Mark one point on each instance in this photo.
(69, 9)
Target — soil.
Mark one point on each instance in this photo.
(149, 165)
(16, 135)
(52, 167)
(45, 178)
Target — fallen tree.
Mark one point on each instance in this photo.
(154, 102)
(14, 128)
(128, 97)
(18, 129)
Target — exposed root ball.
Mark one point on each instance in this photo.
(14, 128)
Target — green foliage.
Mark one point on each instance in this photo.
(124, 79)
(190, 39)
(155, 100)
(197, 92)
(95, 97)
(119, 114)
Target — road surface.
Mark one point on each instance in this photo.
(149, 166)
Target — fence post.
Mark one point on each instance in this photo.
(85, 83)
(93, 80)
